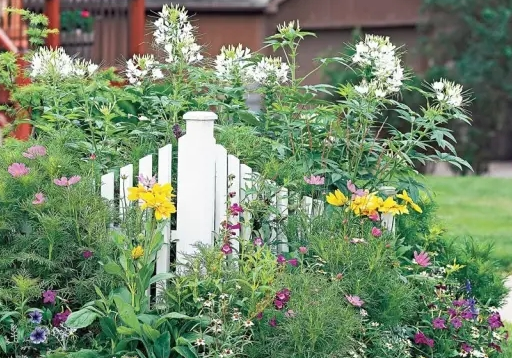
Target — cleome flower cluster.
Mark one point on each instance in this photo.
(57, 64)
(157, 197)
(365, 203)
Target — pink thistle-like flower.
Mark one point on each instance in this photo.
(439, 323)
(38, 199)
(235, 209)
(374, 216)
(354, 300)
(281, 259)
(67, 182)
(293, 262)
(18, 170)
(49, 296)
(148, 182)
(227, 249)
(258, 241)
(34, 151)
(303, 250)
(315, 180)
(421, 259)
(87, 254)
(376, 232)
(352, 188)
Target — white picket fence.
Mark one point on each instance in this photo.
(202, 188)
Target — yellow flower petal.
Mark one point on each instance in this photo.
(136, 192)
(137, 252)
(337, 198)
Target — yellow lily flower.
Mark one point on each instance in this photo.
(135, 193)
(405, 197)
(337, 198)
(391, 206)
(137, 252)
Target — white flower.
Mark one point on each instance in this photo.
(200, 342)
(207, 303)
(248, 324)
(375, 324)
(448, 93)
(363, 312)
(54, 64)
(157, 74)
(175, 33)
(143, 118)
(380, 93)
(224, 296)
(362, 88)
(139, 67)
(233, 63)
(389, 346)
(236, 316)
(270, 71)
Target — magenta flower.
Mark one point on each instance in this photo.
(258, 241)
(354, 300)
(283, 295)
(279, 305)
(281, 259)
(315, 180)
(293, 262)
(494, 321)
(235, 209)
(303, 250)
(376, 232)
(227, 249)
(459, 303)
(273, 322)
(67, 182)
(259, 315)
(352, 188)
(456, 322)
(38, 199)
(420, 338)
(374, 216)
(289, 314)
(421, 259)
(148, 182)
(18, 170)
(467, 315)
(237, 226)
(439, 323)
(49, 296)
(34, 152)
(60, 318)
(87, 254)
(452, 312)
(466, 347)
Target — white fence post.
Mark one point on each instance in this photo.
(196, 183)
(387, 219)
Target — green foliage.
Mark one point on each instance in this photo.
(72, 20)
(37, 30)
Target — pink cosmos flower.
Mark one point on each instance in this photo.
(303, 250)
(18, 170)
(226, 249)
(354, 300)
(352, 188)
(67, 182)
(421, 259)
(315, 180)
(258, 241)
(38, 199)
(34, 151)
(374, 216)
(293, 262)
(376, 232)
(281, 259)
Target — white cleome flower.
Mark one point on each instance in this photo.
(232, 64)
(175, 34)
(57, 65)
(448, 93)
(139, 68)
(270, 71)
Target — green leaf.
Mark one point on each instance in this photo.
(185, 352)
(81, 319)
(127, 313)
(161, 277)
(108, 327)
(127, 331)
(172, 315)
(3, 344)
(113, 269)
(150, 332)
(162, 346)
(84, 353)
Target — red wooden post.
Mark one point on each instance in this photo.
(52, 11)
(24, 130)
(137, 26)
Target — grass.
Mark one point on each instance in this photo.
(480, 207)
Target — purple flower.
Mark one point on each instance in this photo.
(421, 259)
(283, 295)
(303, 250)
(495, 347)
(467, 314)
(60, 318)
(258, 241)
(279, 305)
(67, 182)
(467, 286)
(420, 338)
(227, 249)
(452, 312)
(148, 182)
(466, 347)
(439, 323)
(87, 254)
(315, 180)
(273, 322)
(459, 303)
(235, 209)
(34, 151)
(237, 226)
(49, 296)
(177, 131)
(494, 321)
(456, 322)
(293, 262)
(35, 317)
(281, 259)
(18, 170)
(38, 335)
(259, 315)
(376, 232)
(38, 199)
(354, 300)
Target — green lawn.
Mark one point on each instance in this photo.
(480, 207)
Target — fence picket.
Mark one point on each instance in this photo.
(107, 186)
(234, 188)
(282, 207)
(221, 185)
(163, 260)
(307, 205)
